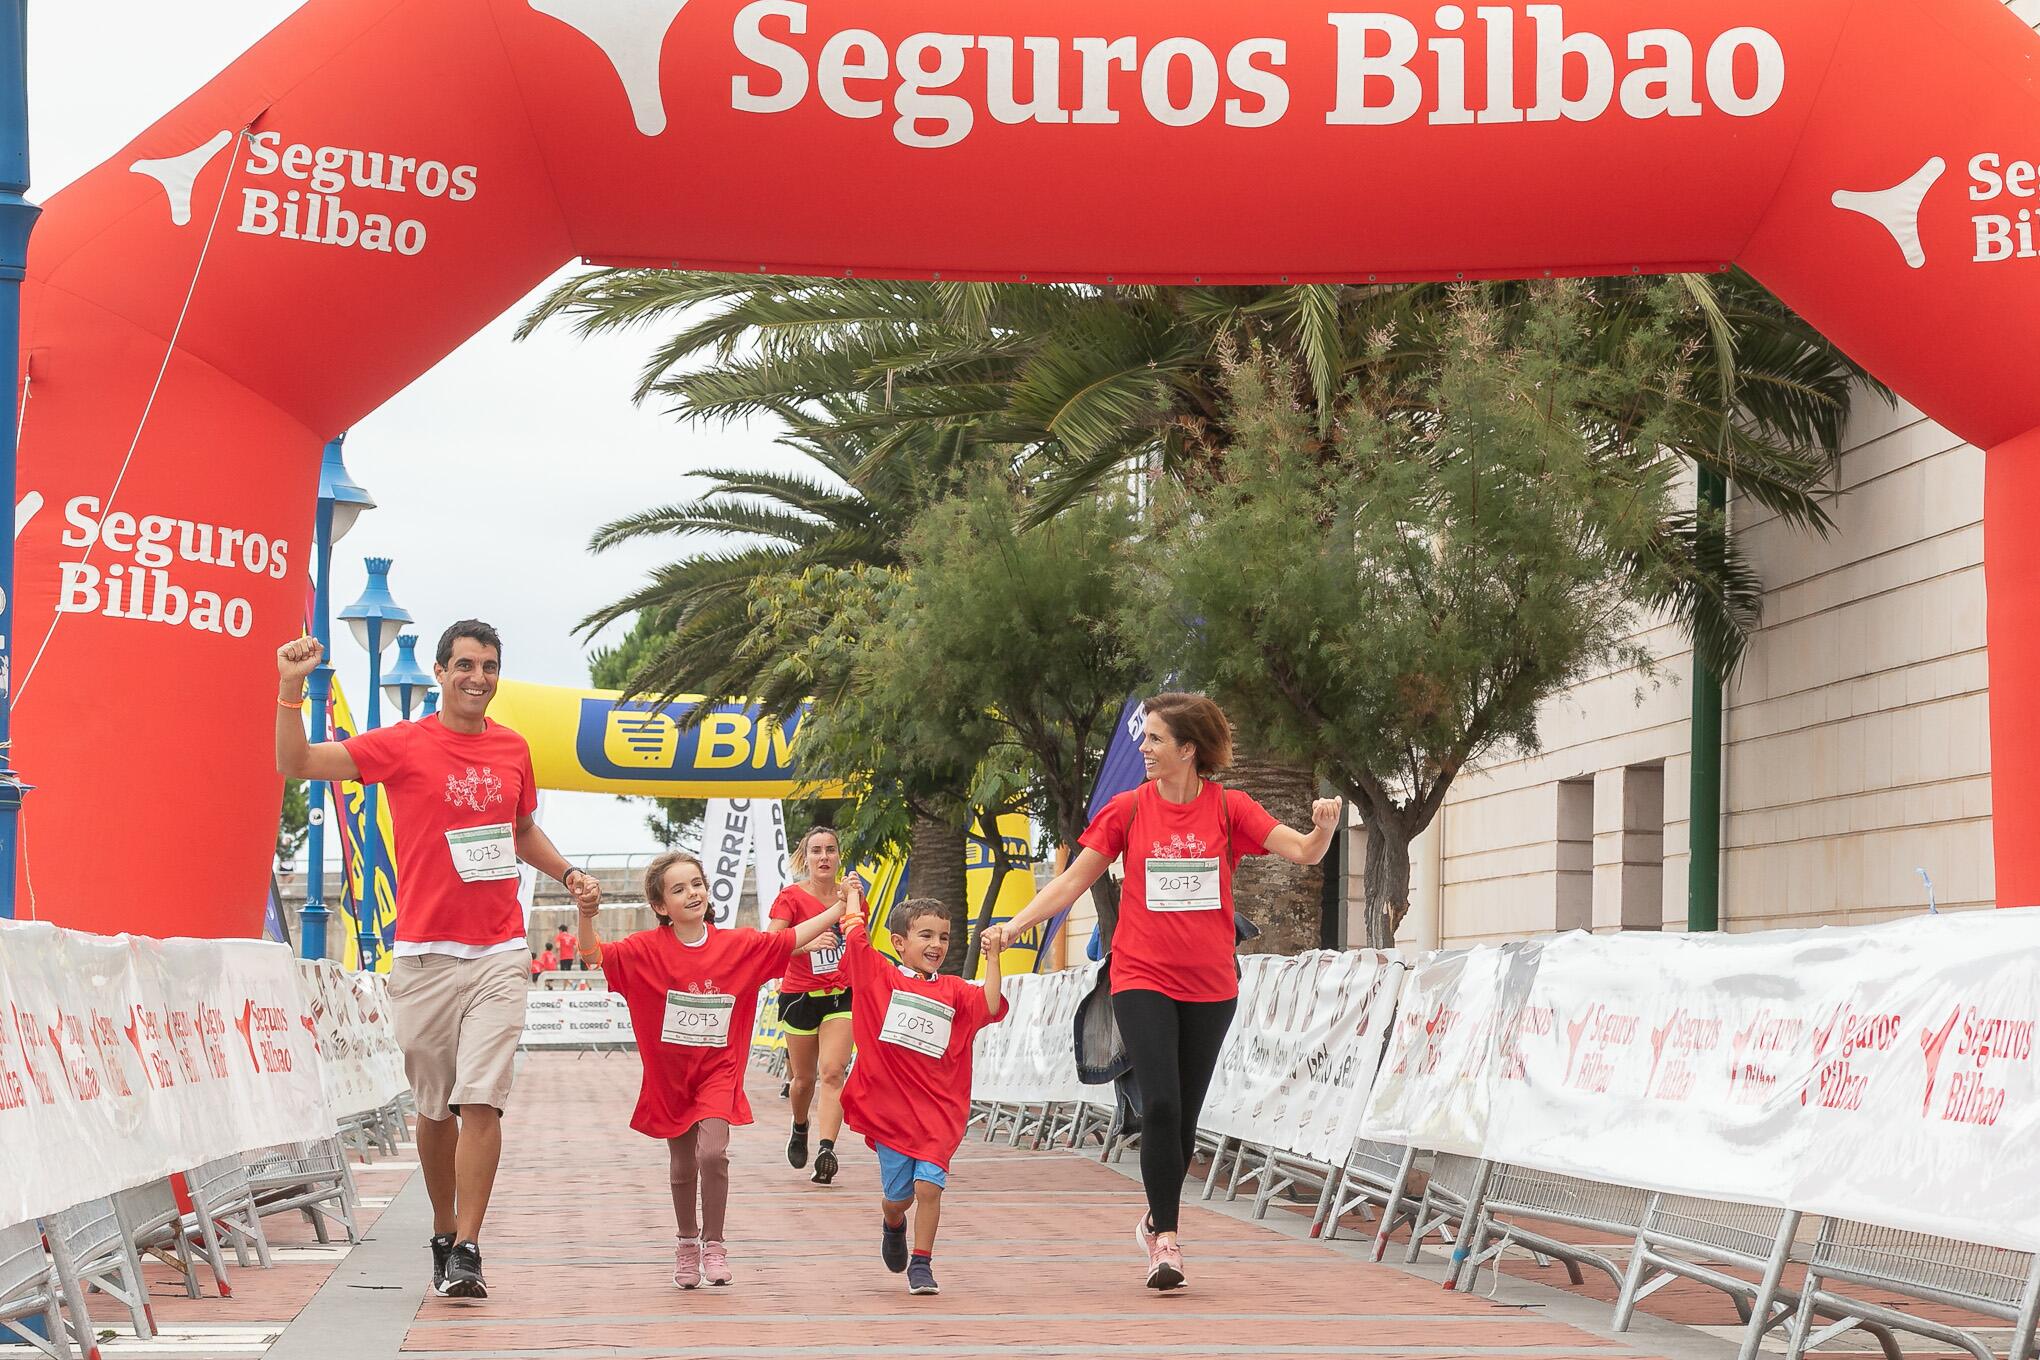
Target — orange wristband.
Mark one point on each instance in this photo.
(298, 702)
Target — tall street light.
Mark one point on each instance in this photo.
(376, 619)
(406, 683)
(341, 502)
(17, 220)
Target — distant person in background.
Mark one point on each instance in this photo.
(565, 942)
(534, 968)
(548, 962)
(814, 1004)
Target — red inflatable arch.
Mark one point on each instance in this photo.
(379, 178)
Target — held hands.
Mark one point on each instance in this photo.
(852, 900)
(995, 941)
(1325, 814)
(297, 659)
(586, 892)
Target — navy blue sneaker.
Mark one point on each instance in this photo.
(892, 1247)
(921, 1277)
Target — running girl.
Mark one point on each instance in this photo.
(692, 990)
(814, 1005)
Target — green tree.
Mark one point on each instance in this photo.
(1393, 602)
(1015, 638)
(292, 824)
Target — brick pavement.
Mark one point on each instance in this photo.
(1036, 1259)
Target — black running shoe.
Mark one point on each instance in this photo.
(825, 1166)
(921, 1277)
(796, 1147)
(442, 1247)
(892, 1247)
(464, 1273)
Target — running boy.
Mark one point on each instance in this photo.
(692, 990)
(909, 1094)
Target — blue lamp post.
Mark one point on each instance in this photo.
(376, 619)
(406, 683)
(17, 220)
(341, 502)
(431, 704)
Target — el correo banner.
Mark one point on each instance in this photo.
(124, 1059)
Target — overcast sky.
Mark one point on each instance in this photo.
(549, 420)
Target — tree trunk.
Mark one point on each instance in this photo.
(1281, 898)
(937, 872)
(1388, 880)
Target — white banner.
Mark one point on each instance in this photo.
(1030, 1056)
(1302, 1050)
(124, 1059)
(575, 1020)
(737, 833)
(1884, 1073)
(360, 1063)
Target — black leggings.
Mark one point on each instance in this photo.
(1174, 1046)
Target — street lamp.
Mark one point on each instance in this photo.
(341, 501)
(431, 704)
(405, 681)
(376, 619)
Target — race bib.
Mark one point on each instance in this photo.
(482, 853)
(1182, 885)
(697, 1021)
(918, 1023)
(826, 960)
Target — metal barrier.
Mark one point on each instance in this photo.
(223, 1211)
(1374, 1174)
(29, 1289)
(1987, 1280)
(150, 1218)
(1685, 1237)
(1517, 1192)
(91, 1252)
(312, 1178)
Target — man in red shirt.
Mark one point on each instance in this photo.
(564, 944)
(461, 798)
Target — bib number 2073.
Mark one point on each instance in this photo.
(482, 853)
(697, 1021)
(918, 1023)
(1182, 885)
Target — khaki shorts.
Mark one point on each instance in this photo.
(458, 1022)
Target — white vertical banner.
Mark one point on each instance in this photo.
(725, 847)
(768, 832)
(527, 877)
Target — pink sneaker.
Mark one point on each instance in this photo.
(715, 1263)
(686, 1262)
(1165, 1263)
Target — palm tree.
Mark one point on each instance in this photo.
(1093, 388)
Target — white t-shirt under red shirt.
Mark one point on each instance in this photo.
(475, 786)
(1184, 955)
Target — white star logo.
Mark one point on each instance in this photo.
(177, 174)
(1897, 209)
(631, 33)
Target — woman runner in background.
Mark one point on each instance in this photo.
(814, 1004)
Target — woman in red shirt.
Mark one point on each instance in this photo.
(814, 1004)
(1179, 837)
(692, 990)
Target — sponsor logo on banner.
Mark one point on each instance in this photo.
(161, 569)
(730, 745)
(1837, 1082)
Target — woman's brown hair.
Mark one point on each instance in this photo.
(655, 880)
(1197, 720)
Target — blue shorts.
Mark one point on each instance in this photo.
(897, 1173)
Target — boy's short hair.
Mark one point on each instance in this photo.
(901, 918)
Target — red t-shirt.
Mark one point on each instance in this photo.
(548, 962)
(685, 1083)
(1187, 955)
(820, 971)
(901, 1096)
(440, 781)
(566, 944)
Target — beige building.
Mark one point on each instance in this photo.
(1855, 737)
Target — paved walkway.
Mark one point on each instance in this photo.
(1036, 1259)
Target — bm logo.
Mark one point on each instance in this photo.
(640, 741)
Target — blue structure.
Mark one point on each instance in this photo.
(376, 619)
(17, 220)
(406, 683)
(341, 502)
